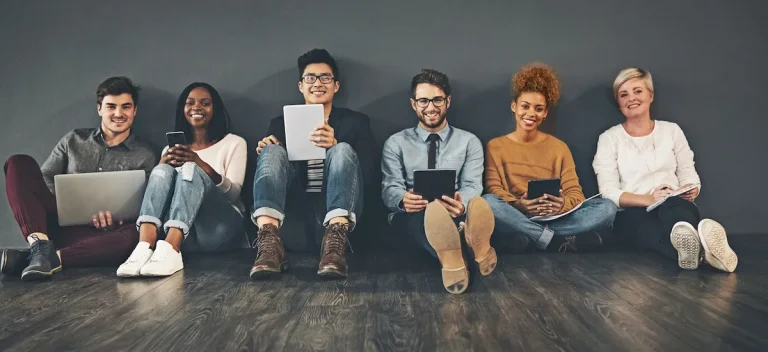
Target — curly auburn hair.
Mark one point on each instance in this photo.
(539, 78)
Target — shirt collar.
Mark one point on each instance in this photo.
(424, 134)
(128, 143)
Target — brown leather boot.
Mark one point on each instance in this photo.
(333, 253)
(270, 255)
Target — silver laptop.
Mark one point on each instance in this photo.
(80, 196)
(300, 121)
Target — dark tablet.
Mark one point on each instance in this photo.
(435, 183)
(538, 188)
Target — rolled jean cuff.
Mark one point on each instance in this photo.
(148, 219)
(270, 212)
(341, 213)
(176, 224)
(546, 237)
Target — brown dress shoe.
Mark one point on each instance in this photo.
(333, 253)
(270, 255)
(444, 238)
(477, 232)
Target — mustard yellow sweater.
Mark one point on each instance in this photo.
(509, 165)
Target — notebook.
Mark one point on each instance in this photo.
(673, 194)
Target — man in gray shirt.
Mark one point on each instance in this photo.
(434, 144)
(31, 193)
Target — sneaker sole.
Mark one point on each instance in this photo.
(717, 252)
(3, 261)
(480, 225)
(265, 273)
(35, 275)
(445, 240)
(686, 242)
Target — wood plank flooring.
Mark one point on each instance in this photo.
(608, 301)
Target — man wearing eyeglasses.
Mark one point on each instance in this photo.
(323, 198)
(434, 144)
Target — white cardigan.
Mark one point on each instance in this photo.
(228, 158)
(664, 158)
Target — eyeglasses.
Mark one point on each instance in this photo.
(424, 102)
(324, 79)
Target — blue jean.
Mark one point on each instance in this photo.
(197, 207)
(278, 194)
(595, 214)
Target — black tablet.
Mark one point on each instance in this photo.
(538, 188)
(435, 183)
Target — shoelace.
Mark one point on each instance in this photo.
(337, 240)
(158, 256)
(135, 256)
(570, 243)
(39, 248)
(265, 242)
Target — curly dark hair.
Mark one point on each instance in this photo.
(432, 77)
(539, 78)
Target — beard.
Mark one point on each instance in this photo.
(425, 122)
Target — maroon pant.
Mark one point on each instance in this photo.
(34, 207)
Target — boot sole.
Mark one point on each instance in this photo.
(35, 275)
(686, 242)
(445, 240)
(480, 225)
(265, 273)
(717, 252)
(332, 274)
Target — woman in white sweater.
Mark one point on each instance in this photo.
(642, 161)
(192, 201)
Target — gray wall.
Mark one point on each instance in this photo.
(705, 56)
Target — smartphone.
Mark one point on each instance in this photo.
(538, 188)
(175, 138)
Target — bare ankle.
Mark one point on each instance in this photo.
(266, 220)
(34, 237)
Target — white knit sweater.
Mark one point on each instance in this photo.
(640, 164)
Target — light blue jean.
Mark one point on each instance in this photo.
(198, 208)
(595, 214)
(278, 194)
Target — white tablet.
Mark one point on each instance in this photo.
(300, 121)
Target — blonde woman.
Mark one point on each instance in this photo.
(640, 162)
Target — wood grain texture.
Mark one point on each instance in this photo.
(606, 301)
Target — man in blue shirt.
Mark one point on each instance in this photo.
(433, 144)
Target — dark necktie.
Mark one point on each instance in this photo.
(432, 156)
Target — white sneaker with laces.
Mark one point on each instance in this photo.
(164, 262)
(139, 257)
(717, 252)
(685, 239)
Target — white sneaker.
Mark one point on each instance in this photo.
(138, 258)
(685, 239)
(717, 252)
(164, 262)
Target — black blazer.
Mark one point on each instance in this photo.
(351, 127)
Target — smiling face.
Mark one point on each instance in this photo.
(432, 115)
(634, 98)
(117, 112)
(530, 109)
(198, 109)
(313, 88)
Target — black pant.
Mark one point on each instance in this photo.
(412, 224)
(650, 230)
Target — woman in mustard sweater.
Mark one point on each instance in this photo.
(529, 154)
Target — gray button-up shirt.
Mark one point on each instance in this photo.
(84, 150)
(407, 151)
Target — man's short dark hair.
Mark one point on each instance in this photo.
(318, 56)
(117, 86)
(432, 77)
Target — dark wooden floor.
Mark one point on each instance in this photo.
(536, 302)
